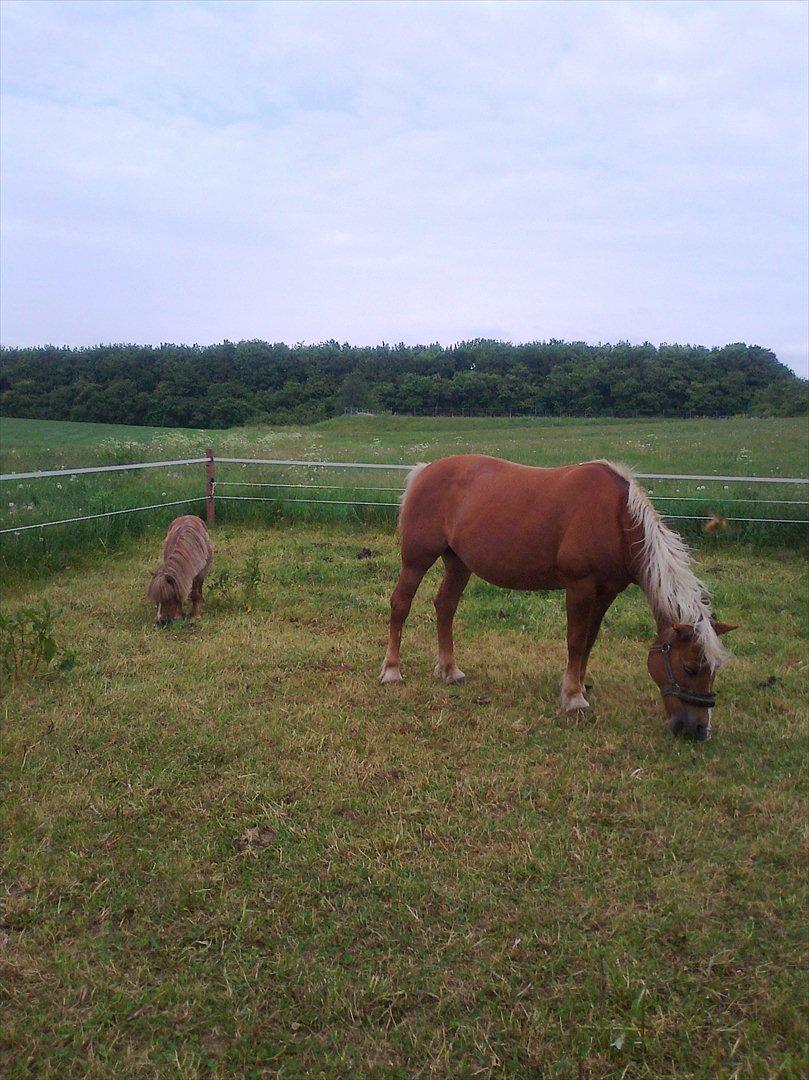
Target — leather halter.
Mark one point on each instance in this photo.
(693, 697)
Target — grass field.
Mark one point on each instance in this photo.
(761, 447)
(740, 446)
(228, 851)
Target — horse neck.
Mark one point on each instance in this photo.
(662, 566)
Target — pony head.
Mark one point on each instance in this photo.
(165, 595)
(678, 664)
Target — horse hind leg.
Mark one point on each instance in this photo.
(453, 583)
(400, 601)
(196, 597)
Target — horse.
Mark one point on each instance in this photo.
(187, 558)
(589, 529)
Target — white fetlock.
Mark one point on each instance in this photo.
(573, 700)
(390, 674)
(449, 675)
(576, 704)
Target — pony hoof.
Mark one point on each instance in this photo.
(390, 675)
(454, 675)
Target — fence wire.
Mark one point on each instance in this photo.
(106, 514)
(386, 466)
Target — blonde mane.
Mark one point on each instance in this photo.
(673, 590)
(187, 552)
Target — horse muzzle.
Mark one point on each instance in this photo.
(697, 728)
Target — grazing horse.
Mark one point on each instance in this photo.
(588, 529)
(187, 558)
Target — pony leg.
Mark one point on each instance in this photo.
(579, 601)
(196, 597)
(400, 601)
(453, 583)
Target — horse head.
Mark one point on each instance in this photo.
(677, 664)
(165, 595)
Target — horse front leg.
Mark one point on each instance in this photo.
(598, 610)
(455, 579)
(400, 601)
(579, 601)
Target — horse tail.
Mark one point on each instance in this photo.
(411, 476)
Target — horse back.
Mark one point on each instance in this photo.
(517, 525)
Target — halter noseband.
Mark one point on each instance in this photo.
(693, 697)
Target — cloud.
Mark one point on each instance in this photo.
(405, 171)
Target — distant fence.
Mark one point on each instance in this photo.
(211, 495)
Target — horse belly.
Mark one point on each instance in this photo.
(508, 554)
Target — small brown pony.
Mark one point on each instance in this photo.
(588, 529)
(187, 558)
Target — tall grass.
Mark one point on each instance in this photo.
(742, 446)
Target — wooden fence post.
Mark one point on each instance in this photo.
(210, 487)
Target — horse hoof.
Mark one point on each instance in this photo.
(390, 675)
(454, 675)
(576, 704)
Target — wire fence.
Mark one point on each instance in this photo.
(213, 494)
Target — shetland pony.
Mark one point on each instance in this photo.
(187, 558)
(588, 529)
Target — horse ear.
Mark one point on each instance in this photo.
(684, 631)
(723, 627)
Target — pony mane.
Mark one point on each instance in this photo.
(673, 590)
(163, 588)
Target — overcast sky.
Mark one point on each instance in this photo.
(414, 172)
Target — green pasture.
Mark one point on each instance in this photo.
(227, 851)
(740, 446)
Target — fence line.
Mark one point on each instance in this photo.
(107, 513)
(736, 479)
(318, 487)
(701, 498)
(210, 488)
(340, 487)
(320, 502)
(356, 465)
(353, 502)
(101, 469)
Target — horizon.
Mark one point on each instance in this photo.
(409, 174)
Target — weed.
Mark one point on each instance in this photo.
(226, 580)
(28, 645)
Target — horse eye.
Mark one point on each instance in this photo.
(690, 670)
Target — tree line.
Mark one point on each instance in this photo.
(254, 381)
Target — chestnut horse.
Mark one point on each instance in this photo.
(588, 529)
(187, 558)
